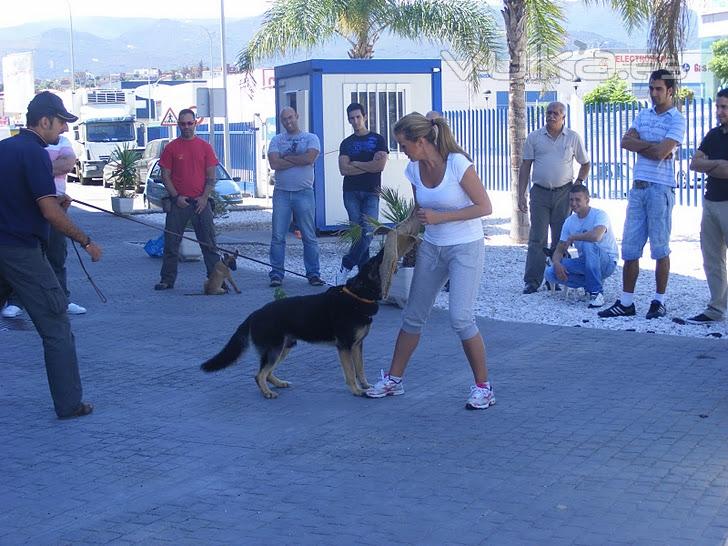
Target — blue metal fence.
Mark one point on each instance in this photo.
(243, 157)
(484, 135)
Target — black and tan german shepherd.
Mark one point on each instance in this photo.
(341, 316)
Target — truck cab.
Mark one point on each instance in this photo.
(106, 121)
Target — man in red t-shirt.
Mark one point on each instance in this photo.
(188, 172)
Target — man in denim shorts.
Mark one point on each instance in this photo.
(653, 136)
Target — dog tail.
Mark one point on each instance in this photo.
(232, 350)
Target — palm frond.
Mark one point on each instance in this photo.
(468, 26)
(634, 13)
(669, 26)
(349, 235)
(289, 26)
(545, 30)
(123, 159)
(398, 208)
(668, 20)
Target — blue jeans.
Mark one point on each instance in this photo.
(360, 206)
(587, 271)
(649, 216)
(286, 204)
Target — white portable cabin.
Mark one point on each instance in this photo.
(321, 89)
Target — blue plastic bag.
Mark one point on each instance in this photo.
(155, 247)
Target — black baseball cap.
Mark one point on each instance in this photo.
(50, 104)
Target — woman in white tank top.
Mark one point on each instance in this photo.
(450, 201)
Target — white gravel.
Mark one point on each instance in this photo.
(500, 296)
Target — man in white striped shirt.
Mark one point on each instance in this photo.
(653, 136)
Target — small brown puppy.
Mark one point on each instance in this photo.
(222, 272)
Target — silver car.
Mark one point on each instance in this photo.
(226, 186)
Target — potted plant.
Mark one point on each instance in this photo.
(398, 210)
(123, 176)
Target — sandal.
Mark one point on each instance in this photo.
(163, 286)
(83, 409)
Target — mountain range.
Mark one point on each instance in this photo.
(104, 45)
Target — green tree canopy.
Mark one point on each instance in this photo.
(683, 94)
(611, 91)
(719, 63)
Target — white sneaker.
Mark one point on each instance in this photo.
(342, 276)
(596, 300)
(480, 397)
(11, 311)
(74, 309)
(385, 387)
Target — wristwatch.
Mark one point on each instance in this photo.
(87, 243)
(579, 181)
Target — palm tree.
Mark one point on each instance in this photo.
(534, 31)
(468, 26)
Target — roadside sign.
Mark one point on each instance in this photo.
(199, 120)
(169, 119)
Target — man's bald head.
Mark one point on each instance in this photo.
(289, 120)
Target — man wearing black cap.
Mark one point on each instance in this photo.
(28, 204)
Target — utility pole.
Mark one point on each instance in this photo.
(226, 128)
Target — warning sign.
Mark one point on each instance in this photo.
(169, 119)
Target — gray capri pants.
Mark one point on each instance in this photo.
(463, 265)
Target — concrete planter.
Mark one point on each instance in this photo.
(122, 205)
(189, 251)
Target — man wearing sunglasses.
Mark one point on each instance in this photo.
(188, 173)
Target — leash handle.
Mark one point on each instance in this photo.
(100, 294)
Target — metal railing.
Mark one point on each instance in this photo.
(243, 157)
(484, 135)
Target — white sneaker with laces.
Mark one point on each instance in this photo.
(342, 276)
(596, 300)
(74, 309)
(480, 397)
(11, 311)
(385, 387)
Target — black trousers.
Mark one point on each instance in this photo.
(176, 220)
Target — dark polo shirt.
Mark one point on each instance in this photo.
(26, 175)
(715, 146)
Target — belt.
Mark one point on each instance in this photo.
(554, 189)
(641, 184)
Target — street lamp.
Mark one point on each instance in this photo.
(576, 81)
(150, 105)
(211, 100)
(73, 62)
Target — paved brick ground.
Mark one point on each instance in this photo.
(598, 437)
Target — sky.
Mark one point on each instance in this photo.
(39, 10)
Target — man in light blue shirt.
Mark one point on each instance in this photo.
(292, 155)
(590, 231)
(653, 136)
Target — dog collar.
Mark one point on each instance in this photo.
(347, 291)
